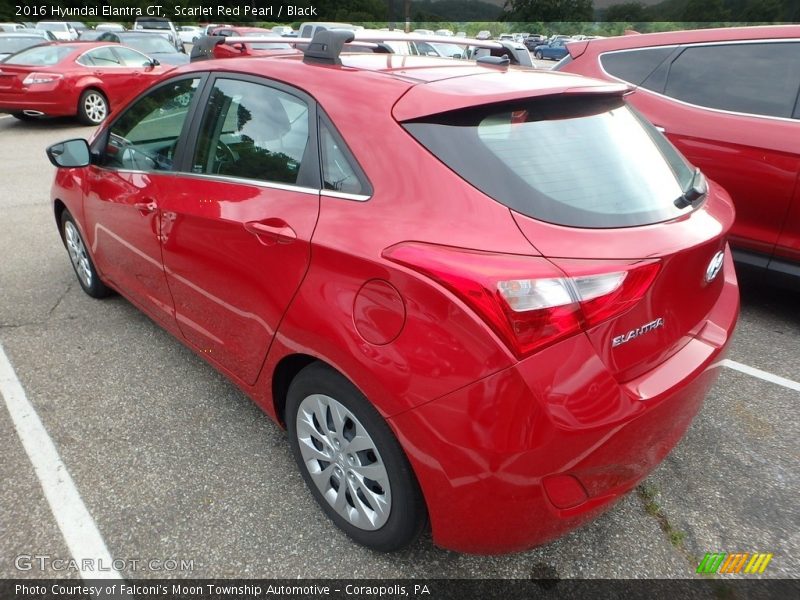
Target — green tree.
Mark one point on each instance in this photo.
(705, 11)
(629, 12)
(549, 10)
(761, 10)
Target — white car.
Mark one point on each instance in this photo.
(109, 27)
(62, 30)
(190, 33)
(11, 27)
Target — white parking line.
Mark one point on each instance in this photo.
(764, 375)
(6, 116)
(77, 526)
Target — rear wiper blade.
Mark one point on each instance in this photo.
(697, 189)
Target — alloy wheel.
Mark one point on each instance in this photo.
(344, 462)
(77, 254)
(94, 105)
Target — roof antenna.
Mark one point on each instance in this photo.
(326, 46)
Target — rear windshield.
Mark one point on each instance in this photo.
(149, 44)
(579, 161)
(40, 56)
(9, 45)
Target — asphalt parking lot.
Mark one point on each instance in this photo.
(173, 462)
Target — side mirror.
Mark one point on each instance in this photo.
(69, 154)
(154, 62)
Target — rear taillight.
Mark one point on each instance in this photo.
(530, 302)
(41, 78)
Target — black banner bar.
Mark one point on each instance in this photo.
(395, 589)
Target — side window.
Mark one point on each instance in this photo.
(131, 58)
(338, 173)
(635, 66)
(145, 136)
(307, 31)
(757, 78)
(101, 57)
(252, 131)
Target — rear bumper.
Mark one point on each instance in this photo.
(54, 104)
(482, 453)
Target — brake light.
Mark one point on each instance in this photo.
(41, 78)
(530, 302)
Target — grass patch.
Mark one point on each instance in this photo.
(648, 494)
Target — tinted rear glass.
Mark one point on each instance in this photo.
(581, 161)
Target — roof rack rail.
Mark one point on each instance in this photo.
(326, 46)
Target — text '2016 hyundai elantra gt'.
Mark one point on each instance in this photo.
(485, 297)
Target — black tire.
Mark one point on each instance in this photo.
(92, 107)
(81, 261)
(538, 55)
(407, 514)
(23, 117)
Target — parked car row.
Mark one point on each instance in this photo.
(382, 41)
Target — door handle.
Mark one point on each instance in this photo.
(271, 231)
(145, 207)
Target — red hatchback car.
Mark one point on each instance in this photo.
(83, 79)
(728, 99)
(451, 326)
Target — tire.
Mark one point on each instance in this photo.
(374, 496)
(92, 107)
(81, 261)
(538, 55)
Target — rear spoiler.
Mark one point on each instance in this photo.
(517, 53)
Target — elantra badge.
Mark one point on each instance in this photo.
(715, 266)
(634, 333)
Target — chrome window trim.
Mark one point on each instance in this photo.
(244, 181)
(344, 195)
(695, 45)
(287, 187)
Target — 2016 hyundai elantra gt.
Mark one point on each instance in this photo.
(482, 297)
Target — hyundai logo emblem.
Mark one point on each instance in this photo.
(714, 267)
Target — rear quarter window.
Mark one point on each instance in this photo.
(757, 78)
(635, 66)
